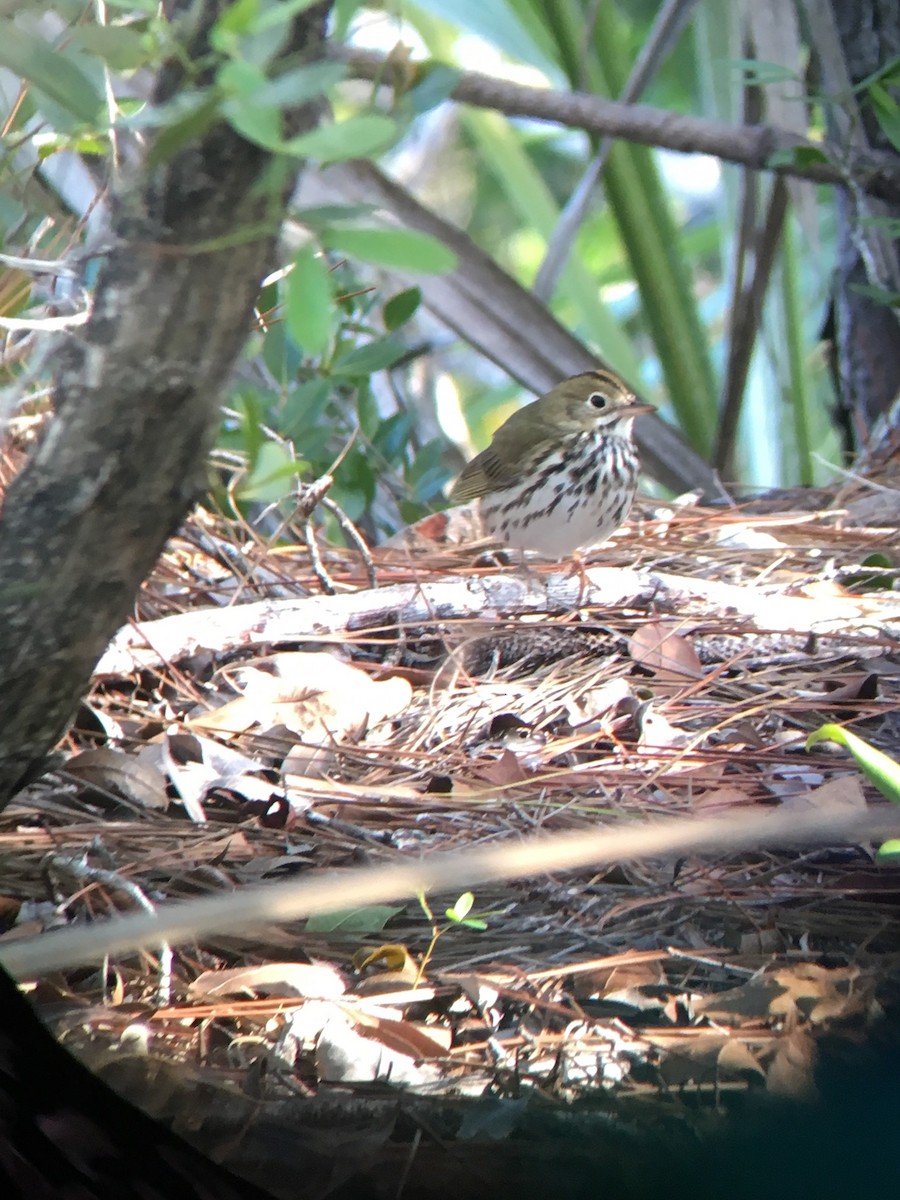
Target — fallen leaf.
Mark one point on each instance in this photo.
(658, 647)
(111, 770)
(273, 979)
(316, 696)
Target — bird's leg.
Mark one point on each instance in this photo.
(579, 569)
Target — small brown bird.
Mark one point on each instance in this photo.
(560, 474)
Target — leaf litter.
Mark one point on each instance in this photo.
(310, 737)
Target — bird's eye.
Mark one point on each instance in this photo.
(597, 400)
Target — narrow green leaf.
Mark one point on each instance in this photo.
(357, 137)
(50, 70)
(887, 111)
(398, 310)
(146, 6)
(309, 303)
(879, 294)
(758, 72)
(879, 768)
(400, 249)
(800, 400)
(365, 360)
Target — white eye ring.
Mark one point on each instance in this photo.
(598, 400)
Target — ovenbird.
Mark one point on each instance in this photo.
(560, 474)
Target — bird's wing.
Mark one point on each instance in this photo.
(485, 473)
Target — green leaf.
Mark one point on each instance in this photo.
(353, 920)
(319, 217)
(357, 137)
(497, 22)
(262, 126)
(146, 6)
(260, 123)
(880, 578)
(304, 407)
(887, 111)
(437, 83)
(50, 70)
(462, 907)
(758, 72)
(299, 85)
(879, 768)
(272, 475)
(879, 294)
(281, 12)
(397, 249)
(797, 156)
(121, 48)
(365, 360)
(392, 436)
(241, 33)
(185, 119)
(309, 302)
(398, 310)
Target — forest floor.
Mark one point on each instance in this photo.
(271, 715)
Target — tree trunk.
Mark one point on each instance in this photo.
(865, 330)
(136, 397)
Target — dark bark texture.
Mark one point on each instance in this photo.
(136, 397)
(65, 1135)
(865, 332)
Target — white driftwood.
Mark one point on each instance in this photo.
(268, 622)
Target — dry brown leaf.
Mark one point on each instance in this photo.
(659, 647)
(617, 978)
(139, 782)
(345, 1055)
(718, 799)
(790, 1072)
(750, 1003)
(845, 792)
(274, 979)
(819, 993)
(402, 1037)
(316, 696)
(735, 1058)
(694, 1061)
(506, 769)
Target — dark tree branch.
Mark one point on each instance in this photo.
(748, 145)
(136, 405)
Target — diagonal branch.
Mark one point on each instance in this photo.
(748, 145)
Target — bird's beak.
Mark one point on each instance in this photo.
(635, 409)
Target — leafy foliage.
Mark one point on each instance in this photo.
(346, 361)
